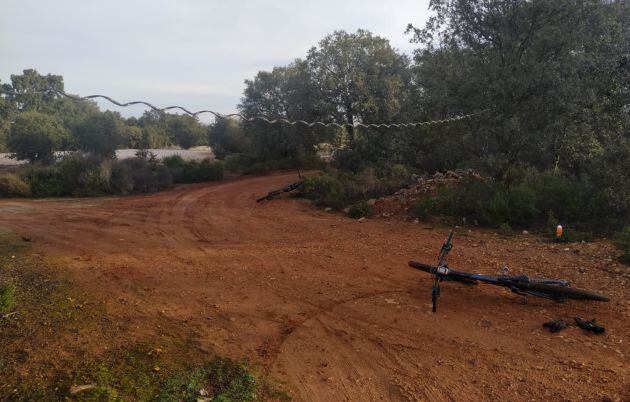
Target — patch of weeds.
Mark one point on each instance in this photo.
(360, 210)
(505, 229)
(7, 296)
(222, 380)
(623, 242)
(134, 374)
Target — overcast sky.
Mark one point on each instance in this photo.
(195, 53)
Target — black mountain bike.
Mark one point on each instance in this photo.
(275, 193)
(558, 290)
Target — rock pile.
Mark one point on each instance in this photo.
(422, 187)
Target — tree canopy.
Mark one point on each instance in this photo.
(35, 136)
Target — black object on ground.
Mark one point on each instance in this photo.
(590, 325)
(272, 194)
(291, 187)
(555, 325)
(558, 290)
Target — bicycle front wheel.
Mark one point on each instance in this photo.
(565, 292)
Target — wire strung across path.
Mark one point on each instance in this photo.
(256, 118)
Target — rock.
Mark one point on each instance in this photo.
(328, 209)
(371, 201)
(361, 219)
(346, 210)
(27, 238)
(525, 232)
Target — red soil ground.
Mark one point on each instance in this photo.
(327, 306)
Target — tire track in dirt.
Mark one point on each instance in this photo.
(327, 305)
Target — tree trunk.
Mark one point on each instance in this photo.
(350, 118)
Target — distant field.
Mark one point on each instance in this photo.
(188, 154)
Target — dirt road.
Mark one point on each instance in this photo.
(327, 306)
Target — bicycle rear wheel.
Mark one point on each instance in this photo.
(564, 291)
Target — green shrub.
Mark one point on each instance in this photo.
(121, 180)
(505, 229)
(421, 209)
(139, 175)
(325, 189)
(82, 176)
(173, 162)
(7, 296)
(623, 242)
(360, 210)
(12, 185)
(193, 171)
(197, 172)
(45, 181)
(399, 173)
(222, 378)
(238, 162)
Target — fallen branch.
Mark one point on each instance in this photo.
(8, 315)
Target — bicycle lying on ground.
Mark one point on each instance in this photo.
(558, 290)
(291, 187)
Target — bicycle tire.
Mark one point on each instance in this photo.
(564, 291)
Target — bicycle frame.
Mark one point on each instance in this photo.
(519, 284)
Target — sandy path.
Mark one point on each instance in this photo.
(327, 306)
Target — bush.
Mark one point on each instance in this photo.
(45, 181)
(196, 172)
(444, 202)
(192, 171)
(623, 242)
(337, 189)
(505, 229)
(75, 175)
(82, 176)
(139, 175)
(360, 210)
(7, 296)
(12, 185)
(324, 189)
(238, 162)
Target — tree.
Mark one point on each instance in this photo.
(99, 133)
(284, 93)
(358, 77)
(154, 129)
(226, 136)
(27, 91)
(7, 111)
(183, 130)
(554, 76)
(35, 136)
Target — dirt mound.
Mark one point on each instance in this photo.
(422, 187)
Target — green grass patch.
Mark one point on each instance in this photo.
(141, 374)
(7, 296)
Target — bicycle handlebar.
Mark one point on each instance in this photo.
(421, 266)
